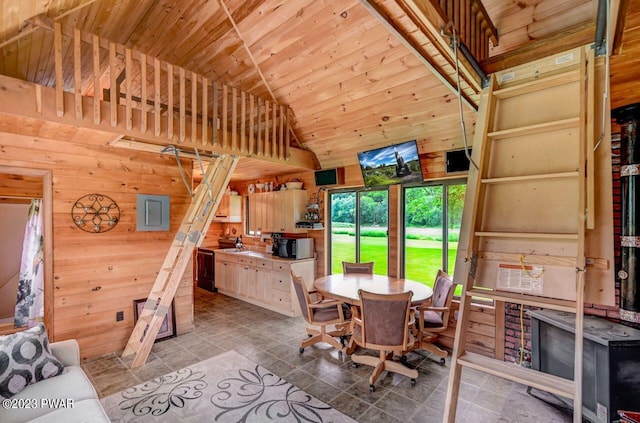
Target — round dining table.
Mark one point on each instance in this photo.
(344, 287)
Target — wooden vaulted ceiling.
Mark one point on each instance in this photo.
(350, 83)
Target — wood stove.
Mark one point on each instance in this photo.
(611, 360)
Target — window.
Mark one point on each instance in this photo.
(432, 219)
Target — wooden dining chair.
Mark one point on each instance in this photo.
(321, 313)
(384, 325)
(350, 267)
(433, 316)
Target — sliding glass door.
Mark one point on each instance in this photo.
(432, 219)
(360, 228)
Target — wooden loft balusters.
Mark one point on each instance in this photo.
(472, 23)
(144, 97)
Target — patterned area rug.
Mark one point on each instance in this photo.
(225, 388)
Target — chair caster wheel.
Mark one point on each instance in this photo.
(355, 365)
(343, 340)
(413, 382)
(301, 350)
(442, 361)
(372, 388)
(340, 354)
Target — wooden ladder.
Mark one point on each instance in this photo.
(190, 235)
(523, 232)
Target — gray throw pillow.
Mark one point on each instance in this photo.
(25, 358)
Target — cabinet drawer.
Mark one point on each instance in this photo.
(281, 281)
(248, 261)
(229, 258)
(281, 299)
(264, 264)
(281, 267)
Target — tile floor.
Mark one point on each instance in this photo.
(271, 340)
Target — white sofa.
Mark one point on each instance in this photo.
(72, 385)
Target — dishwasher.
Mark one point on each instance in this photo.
(205, 269)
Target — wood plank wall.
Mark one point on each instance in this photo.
(97, 275)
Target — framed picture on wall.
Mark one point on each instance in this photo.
(168, 327)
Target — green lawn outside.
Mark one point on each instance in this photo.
(423, 257)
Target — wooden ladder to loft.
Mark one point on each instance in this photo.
(523, 232)
(190, 235)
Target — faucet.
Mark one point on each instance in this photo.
(239, 245)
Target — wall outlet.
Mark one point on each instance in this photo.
(119, 316)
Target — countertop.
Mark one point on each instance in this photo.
(258, 254)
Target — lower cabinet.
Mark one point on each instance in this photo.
(264, 282)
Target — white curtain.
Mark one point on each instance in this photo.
(30, 301)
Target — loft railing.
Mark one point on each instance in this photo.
(151, 96)
(472, 24)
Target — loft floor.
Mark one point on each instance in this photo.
(271, 340)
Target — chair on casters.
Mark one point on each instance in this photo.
(320, 313)
(384, 325)
(365, 268)
(433, 316)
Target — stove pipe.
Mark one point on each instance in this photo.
(629, 119)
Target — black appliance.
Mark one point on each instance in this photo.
(611, 360)
(629, 119)
(329, 176)
(457, 161)
(205, 270)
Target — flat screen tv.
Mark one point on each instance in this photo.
(394, 164)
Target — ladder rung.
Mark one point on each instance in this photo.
(537, 235)
(540, 380)
(533, 259)
(539, 84)
(535, 129)
(537, 177)
(515, 297)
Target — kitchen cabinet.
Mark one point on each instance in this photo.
(229, 209)
(262, 280)
(277, 211)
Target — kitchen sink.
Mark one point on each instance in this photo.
(246, 252)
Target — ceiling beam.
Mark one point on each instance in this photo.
(30, 26)
(619, 9)
(417, 51)
(575, 36)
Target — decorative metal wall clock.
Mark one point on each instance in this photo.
(95, 213)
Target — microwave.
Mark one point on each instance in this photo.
(294, 248)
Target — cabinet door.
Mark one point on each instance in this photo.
(235, 208)
(262, 284)
(267, 210)
(222, 212)
(242, 280)
(221, 274)
(288, 209)
(254, 212)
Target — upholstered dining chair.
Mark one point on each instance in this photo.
(321, 313)
(433, 316)
(350, 267)
(384, 325)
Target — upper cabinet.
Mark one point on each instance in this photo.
(230, 209)
(277, 211)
